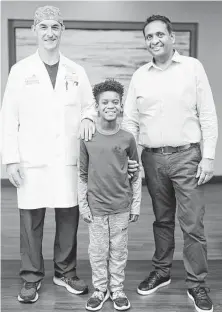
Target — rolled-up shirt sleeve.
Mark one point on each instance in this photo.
(207, 113)
(131, 114)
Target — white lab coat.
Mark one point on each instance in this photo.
(41, 129)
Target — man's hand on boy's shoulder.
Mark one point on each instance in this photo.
(87, 129)
(87, 217)
(133, 217)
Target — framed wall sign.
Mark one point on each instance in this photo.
(104, 49)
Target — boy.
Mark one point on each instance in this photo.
(107, 201)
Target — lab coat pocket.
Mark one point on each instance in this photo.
(72, 149)
(34, 150)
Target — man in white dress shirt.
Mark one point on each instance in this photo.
(170, 109)
(48, 99)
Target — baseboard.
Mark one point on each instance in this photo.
(214, 180)
(6, 183)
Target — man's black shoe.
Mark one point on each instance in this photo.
(202, 301)
(152, 283)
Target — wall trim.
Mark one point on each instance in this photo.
(190, 27)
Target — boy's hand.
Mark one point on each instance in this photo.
(133, 217)
(87, 217)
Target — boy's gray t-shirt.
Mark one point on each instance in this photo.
(103, 166)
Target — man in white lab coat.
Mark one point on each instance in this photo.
(47, 100)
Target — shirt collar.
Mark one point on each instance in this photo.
(175, 58)
(61, 56)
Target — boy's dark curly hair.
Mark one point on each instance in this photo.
(108, 85)
(161, 18)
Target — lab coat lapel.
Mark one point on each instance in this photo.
(61, 74)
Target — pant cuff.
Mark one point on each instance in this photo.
(116, 288)
(191, 284)
(162, 273)
(31, 278)
(65, 274)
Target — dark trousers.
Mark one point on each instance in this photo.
(171, 181)
(65, 244)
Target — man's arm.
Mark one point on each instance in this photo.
(10, 120)
(131, 114)
(209, 126)
(131, 121)
(83, 183)
(88, 111)
(10, 127)
(135, 182)
(207, 113)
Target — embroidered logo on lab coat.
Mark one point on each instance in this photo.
(31, 80)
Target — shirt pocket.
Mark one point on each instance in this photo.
(148, 103)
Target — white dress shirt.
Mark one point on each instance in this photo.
(172, 107)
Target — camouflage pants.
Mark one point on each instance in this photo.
(108, 250)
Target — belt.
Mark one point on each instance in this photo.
(170, 149)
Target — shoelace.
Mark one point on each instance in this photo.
(29, 285)
(152, 277)
(75, 278)
(71, 279)
(118, 294)
(98, 294)
(201, 292)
